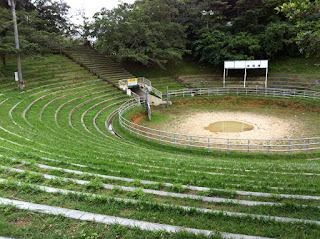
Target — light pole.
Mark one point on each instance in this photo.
(209, 13)
(12, 5)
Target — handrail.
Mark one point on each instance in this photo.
(142, 81)
(157, 92)
(226, 144)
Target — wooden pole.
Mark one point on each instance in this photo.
(16, 39)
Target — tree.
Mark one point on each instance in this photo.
(215, 46)
(40, 27)
(306, 15)
(145, 31)
(278, 39)
(250, 29)
(6, 47)
(54, 13)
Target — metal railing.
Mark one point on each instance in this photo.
(274, 92)
(143, 80)
(267, 146)
(145, 83)
(157, 92)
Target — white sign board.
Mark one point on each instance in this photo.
(229, 64)
(240, 64)
(16, 76)
(250, 64)
(133, 82)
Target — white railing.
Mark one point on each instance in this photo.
(144, 83)
(143, 80)
(157, 92)
(273, 92)
(267, 146)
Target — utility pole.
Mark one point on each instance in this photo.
(12, 5)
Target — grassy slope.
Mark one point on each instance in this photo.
(74, 139)
(298, 65)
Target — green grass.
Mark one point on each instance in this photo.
(187, 67)
(65, 146)
(156, 213)
(295, 66)
(26, 224)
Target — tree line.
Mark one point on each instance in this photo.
(162, 32)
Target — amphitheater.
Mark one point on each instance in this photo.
(60, 162)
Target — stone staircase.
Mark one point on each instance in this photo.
(100, 65)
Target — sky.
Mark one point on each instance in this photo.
(90, 7)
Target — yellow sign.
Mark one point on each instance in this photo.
(133, 82)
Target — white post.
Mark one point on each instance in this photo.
(224, 77)
(245, 78)
(266, 82)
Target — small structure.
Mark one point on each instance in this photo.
(250, 64)
(140, 87)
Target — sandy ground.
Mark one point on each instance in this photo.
(265, 127)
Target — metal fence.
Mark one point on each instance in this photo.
(273, 92)
(267, 146)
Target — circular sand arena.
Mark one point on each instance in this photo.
(264, 127)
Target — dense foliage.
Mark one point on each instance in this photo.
(248, 30)
(154, 31)
(306, 15)
(146, 32)
(161, 32)
(41, 25)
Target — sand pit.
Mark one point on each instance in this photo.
(265, 127)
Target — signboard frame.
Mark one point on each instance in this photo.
(245, 64)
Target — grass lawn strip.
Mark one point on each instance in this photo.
(159, 214)
(194, 188)
(162, 193)
(109, 220)
(26, 224)
(4, 101)
(204, 210)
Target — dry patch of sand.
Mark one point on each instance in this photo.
(265, 127)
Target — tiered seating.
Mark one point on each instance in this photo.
(58, 157)
(97, 63)
(162, 83)
(293, 81)
(204, 81)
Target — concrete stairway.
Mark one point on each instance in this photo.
(100, 65)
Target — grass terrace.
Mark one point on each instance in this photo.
(58, 157)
